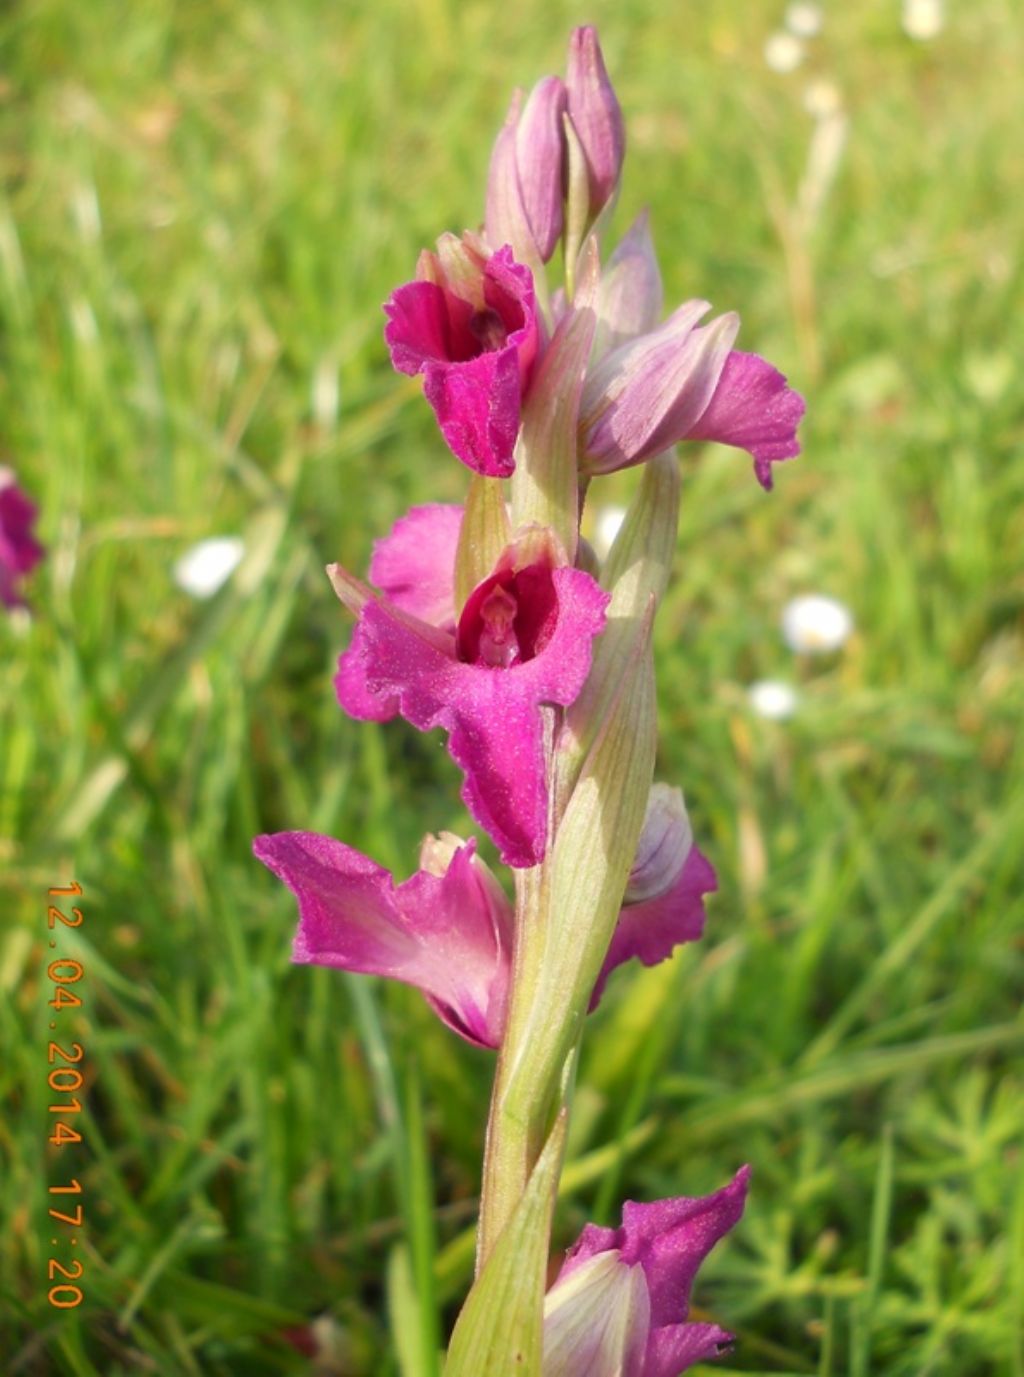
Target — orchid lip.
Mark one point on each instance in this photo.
(508, 618)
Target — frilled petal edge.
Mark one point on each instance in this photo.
(753, 408)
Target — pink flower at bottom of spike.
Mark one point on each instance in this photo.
(619, 1305)
(20, 552)
(447, 930)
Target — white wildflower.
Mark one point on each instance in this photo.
(814, 624)
(773, 699)
(804, 19)
(923, 19)
(208, 565)
(783, 52)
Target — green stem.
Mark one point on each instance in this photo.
(517, 1125)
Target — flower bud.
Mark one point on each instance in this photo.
(539, 160)
(524, 185)
(630, 296)
(596, 116)
(664, 845)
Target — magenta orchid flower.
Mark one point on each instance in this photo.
(522, 644)
(478, 621)
(448, 929)
(469, 324)
(619, 1305)
(20, 552)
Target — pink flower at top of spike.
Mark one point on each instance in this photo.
(523, 643)
(619, 1305)
(469, 325)
(596, 116)
(447, 930)
(20, 552)
(652, 386)
(525, 182)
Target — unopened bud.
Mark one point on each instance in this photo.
(596, 116)
(664, 845)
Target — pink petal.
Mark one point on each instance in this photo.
(647, 394)
(477, 404)
(676, 1347)
(505, 218)
(508, 290)
(493, 715)
(355, 693)
(539, 159)
(671, 1238)
(593, 1239)
(753, 409)
(415, 563)
(447, 935)
(650, 930)
(630, 298)
(420, 330)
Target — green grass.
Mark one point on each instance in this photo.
(203, 207)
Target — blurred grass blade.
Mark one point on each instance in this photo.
(404, 1314)
(262, 538)
(881, 1206)
(898, 953)
(418, 1208)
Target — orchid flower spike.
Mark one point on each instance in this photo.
(469, 324)
(620, 1303)
(20, 552)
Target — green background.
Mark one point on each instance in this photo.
(204, 205)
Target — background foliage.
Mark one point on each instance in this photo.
(204, 205)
